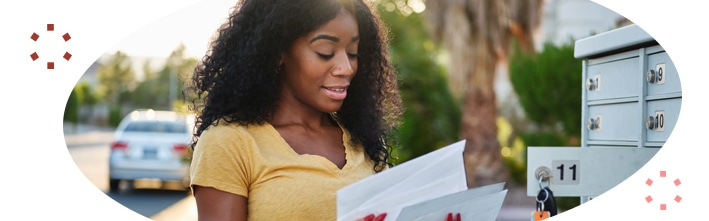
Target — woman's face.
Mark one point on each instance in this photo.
(319, 66)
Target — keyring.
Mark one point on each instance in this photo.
(540, 182)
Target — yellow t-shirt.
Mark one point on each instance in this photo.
(256, 162)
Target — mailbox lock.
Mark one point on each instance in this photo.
(591, 84)
(542, 173)
(594, 123)
(651, 76)
(650, 122)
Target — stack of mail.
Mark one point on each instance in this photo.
(425, 188)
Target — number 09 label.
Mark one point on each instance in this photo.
(565, 172)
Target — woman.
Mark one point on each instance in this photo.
(295, 100)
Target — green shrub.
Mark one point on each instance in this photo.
(114, 116)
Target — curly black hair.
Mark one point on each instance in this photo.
(237, 79)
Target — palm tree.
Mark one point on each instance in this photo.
(477, 35)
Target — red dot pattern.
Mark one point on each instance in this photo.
(649, 182)
(35, 37)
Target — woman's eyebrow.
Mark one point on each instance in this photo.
(326, 37)
(332, 38)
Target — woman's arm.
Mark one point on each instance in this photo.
(214, 204)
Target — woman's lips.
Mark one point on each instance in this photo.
(336, 93)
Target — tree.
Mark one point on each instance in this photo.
(115, 77)
(87, 99)
(432, 115)
(548, 87)
(477, 35)
(71, 110)
(162, 89)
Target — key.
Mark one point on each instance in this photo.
(550, 202)
(540, 215)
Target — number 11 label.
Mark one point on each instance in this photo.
(565, 172)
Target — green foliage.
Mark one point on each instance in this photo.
(85, 94)
(513, 151)
(161, 89)
(115, 115)
(432, 117)
(548, 85)
(115, 77)
(543, 139)
(71, 110)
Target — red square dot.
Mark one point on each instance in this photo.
(663, 206)
(50, 65)
(663, 173)
(50, 27)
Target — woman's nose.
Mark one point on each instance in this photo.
(344, 65)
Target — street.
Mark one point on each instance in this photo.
(89, 148)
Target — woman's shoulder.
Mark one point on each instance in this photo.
(226, 135)
(224, 127)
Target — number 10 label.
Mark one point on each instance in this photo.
(565, 172)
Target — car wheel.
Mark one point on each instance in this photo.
(113, 185)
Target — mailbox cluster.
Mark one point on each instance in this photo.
(631, 92)
(631, 102)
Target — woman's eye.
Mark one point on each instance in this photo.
(352, 55)
(326, 56)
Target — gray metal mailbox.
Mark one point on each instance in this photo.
(631, 101)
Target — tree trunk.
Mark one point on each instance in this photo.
(483, 160)
(482, 156)
(477, 34)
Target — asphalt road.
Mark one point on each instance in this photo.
(89, 148)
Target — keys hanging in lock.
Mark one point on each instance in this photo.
(541, 213)
(547, 202)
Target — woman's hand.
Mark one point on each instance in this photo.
(373, 217)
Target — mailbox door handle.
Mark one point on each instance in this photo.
(650, 122)
(594, 123)
(591, 84)
(651, 76)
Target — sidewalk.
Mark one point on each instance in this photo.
(88, 134)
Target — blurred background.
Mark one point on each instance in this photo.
(500, 74)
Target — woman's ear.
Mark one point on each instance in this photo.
(280, 64)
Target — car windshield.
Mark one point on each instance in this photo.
(156, 127)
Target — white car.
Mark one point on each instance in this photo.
(151, 145)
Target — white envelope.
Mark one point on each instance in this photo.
(480, 203)
(438, 173)
(484, 208)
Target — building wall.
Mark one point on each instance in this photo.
(568, 20)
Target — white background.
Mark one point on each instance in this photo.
(39, 180)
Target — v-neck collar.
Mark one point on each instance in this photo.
(329, 164)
